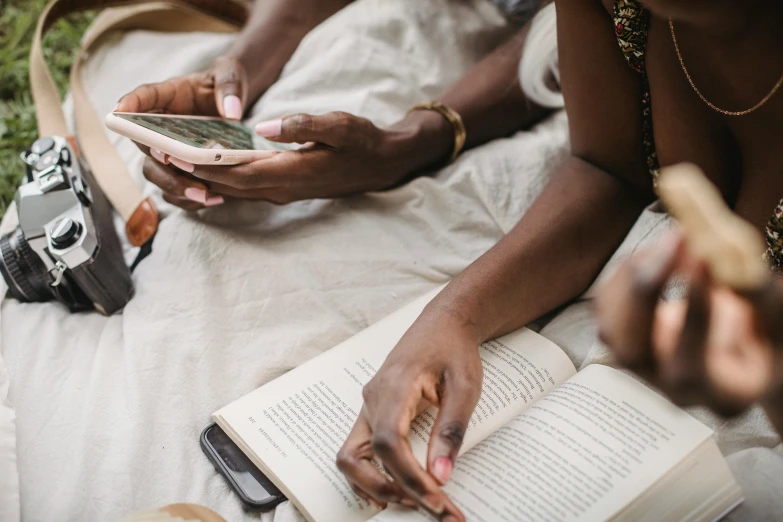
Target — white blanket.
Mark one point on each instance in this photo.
(109, 410)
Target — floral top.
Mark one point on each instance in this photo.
(631, 24)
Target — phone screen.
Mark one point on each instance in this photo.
(196, 132)
(253, 487)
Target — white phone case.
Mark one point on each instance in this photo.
(183, 151)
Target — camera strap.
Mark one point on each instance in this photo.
(93, 145)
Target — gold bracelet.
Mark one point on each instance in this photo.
(454, 119)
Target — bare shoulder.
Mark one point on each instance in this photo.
(602, 93)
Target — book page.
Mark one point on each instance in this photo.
(583, 452)
(293, 427)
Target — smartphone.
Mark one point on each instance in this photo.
(200, 140)
(253, 487)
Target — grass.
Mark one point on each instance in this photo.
(17, 114)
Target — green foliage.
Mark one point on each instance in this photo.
(17, 114)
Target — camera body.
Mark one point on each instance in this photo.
(65, 247)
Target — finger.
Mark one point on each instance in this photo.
(177, 185)
(184, 204)
(160, 157)
(390, 443)
(380, 506)
(626, 305)
(355, 461)
(336, 129)
(740, 360)
(684, 372)
(458, 398)
(149, 97)
(244, 175)
(229, 77)
(767, 303)
(210, 198)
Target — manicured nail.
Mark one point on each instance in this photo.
(196, 194)
(214, 201)
(183, 165)
(116, 107)
(442, 469)
(232, 107)
(270, 129)
(158, 155)
(409, 502)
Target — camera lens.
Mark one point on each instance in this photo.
(23, 271)
(47, 160)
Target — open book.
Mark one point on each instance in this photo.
(544, 443)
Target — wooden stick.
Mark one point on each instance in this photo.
(730, 246)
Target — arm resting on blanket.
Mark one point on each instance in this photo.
(551, 256)
(490, 101)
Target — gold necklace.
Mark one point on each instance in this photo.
(705, 100)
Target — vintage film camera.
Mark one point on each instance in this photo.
(65, 247)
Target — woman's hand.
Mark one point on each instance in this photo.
(343, 155)
(719, 347)
(435, 362)
(220, 91)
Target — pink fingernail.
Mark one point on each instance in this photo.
(158, 155)
(442, 469)
(196, 194)
(270, 129)
(183, 165)
(232, 107)
(214, 201)
(116, 107)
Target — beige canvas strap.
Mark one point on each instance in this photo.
(107, 167)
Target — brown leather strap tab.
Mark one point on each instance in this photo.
(142, 224)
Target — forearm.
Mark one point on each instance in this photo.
(551, 257)
(488, 98)
(272, 34)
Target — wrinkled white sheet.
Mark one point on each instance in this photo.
(109, 410)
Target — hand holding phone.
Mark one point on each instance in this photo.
(199, 140)
(342, 155)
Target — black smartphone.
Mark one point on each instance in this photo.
(253, 487)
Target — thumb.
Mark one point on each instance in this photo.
(458, 399)
(230, 86)
(335, 129)
(767, 302)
